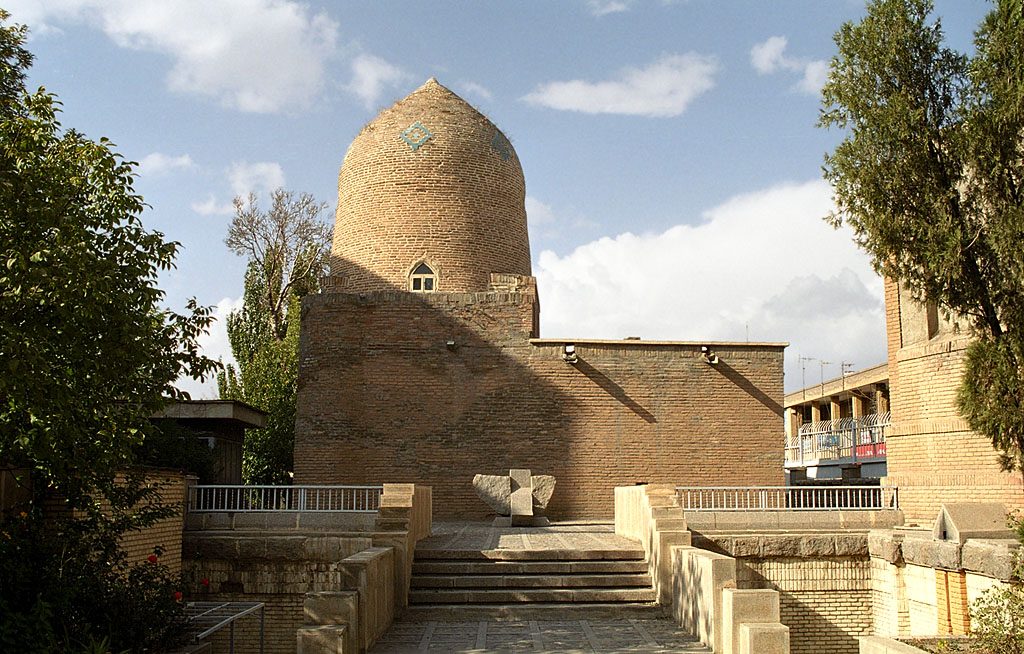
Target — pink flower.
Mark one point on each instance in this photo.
(177, 596)
(205, 581)
(151, 558)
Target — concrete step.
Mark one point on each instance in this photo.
(527, 567)
(530, 581)
(530, 555)
(505, 596)
(532, 611)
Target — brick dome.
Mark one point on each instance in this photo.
(429, 181)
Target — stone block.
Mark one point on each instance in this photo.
(851, 545)
(886, 544)
(781, 545)
(745, 546)
(744, 606)
(764, 638)
(285, 547)
(817, 546)
(543, 489)
(213, 547)
(495, 491)
(324, 639)
(991, 557)
(698, 579)
(251, 548)
(334, 608)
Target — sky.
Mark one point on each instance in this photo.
(670, 148)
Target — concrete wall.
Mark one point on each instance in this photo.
(383, 396)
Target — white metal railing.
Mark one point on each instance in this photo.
(846, 438)
(788, 498)
(346, 499)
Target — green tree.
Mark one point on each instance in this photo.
(287, 249)
(87, 350)
(87, 354)
(929, 177)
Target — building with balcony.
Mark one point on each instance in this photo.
(837, 429)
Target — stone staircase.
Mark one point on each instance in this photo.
(543, 583)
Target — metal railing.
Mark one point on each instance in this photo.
(339, 499)
(846, 438)
(788, 498)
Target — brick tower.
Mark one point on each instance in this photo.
(421, 359)
(429, 185)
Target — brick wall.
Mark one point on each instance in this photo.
(931, 453)
(456, 202)
(820, 600)
(166, 533)
(383, 398)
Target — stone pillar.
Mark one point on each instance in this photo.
(835, 408)
(815, 413)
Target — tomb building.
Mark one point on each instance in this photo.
(421, 360)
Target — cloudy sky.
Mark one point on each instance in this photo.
(672, 162)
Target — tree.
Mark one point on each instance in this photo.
(287, 248)
(929, 177)
(88, 352)
(87, 355)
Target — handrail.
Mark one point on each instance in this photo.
(788, 498)
(267, 498)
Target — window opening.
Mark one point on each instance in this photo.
(422, 279)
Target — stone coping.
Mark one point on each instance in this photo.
(991, 557)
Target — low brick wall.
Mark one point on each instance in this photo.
(823, 580)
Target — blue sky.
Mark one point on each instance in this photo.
(672, 162)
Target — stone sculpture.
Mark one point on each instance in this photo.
(519, 498)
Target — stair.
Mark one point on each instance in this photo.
(530, 584)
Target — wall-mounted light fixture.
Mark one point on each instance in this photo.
(569, 353)
(450, 345)
(707, 356)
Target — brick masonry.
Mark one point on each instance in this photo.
(456, 202)
(931, 453)
(383, 398)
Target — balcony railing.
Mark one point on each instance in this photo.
(339, 499)
(788, 498)
(852, 439)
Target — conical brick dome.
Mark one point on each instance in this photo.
(429, 181)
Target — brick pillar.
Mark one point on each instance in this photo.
(881, 398)
(815, 413)
(942, 622)
(959, 609)
(860, 406)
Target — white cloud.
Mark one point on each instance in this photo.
(603, 7)
(253, 55)
(770, 56)
(243, 177)
(255, 177)
(215, 345)
(157, 163)
(763, 264)
(661, 89)
(371, 75)
(477, 89)
(210, 207)
(538, 213)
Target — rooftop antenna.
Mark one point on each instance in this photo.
(821, 374)
(847, 369)
(803, 374)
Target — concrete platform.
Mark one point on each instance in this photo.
(639, 636)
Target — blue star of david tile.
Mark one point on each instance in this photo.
(416, 136)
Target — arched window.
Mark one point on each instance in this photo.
(422, 279)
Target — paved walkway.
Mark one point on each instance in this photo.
(640, 636)
(559, 536)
